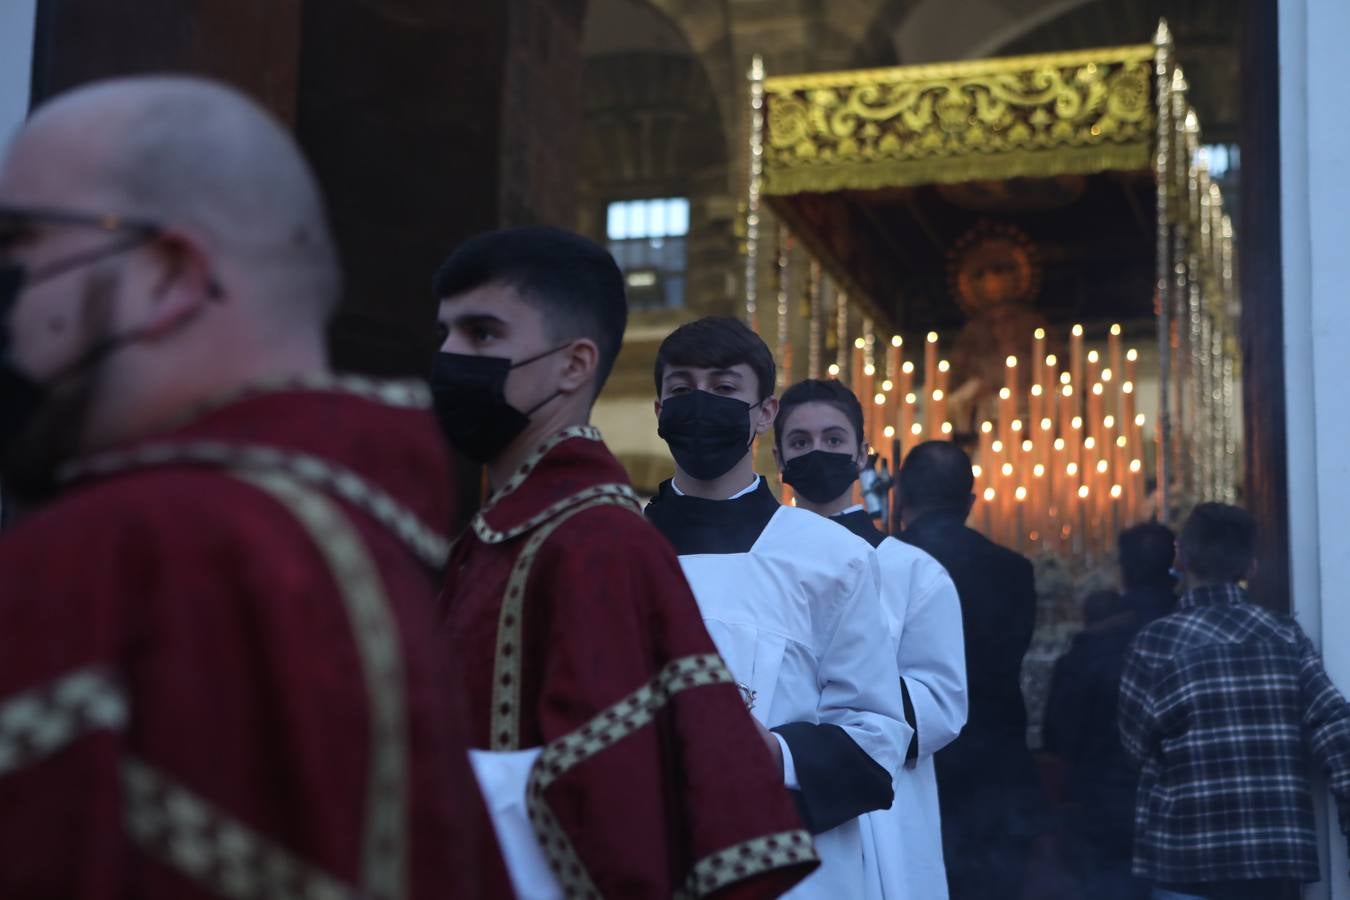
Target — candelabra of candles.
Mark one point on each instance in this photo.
(1060, 468)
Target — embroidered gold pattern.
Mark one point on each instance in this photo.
(489, 535)
(221, 854)
(506, 670)
(604, 730)
(41, 721)
(745, 860)
(429, 546)
(376, 636)
(585, 432)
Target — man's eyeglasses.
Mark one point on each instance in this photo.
(18, 223)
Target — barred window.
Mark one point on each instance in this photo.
(647, 238)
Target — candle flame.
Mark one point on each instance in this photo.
(1021, 493)
(1097, 389)
(946, 427)
(1139, 420)
(943, 365)
(986, 426)
(1007, 469)
(1122, 441)
(897, 341)
(1046, 424)
(1136, 465)
(916, 429)
(908, 367)
(1115, 330)
(1016, 424)
(1101, 466)
(1083, 492)
(1132, 354)
(859, 343)
(1078, 331)
(977, 471)
(1106, 374)
(888, 385)
(1071, 469)
(1065, 378)
(1109, 422)
(1077, 422)
(1039, 334)
(1093, 356)
(1027, 446)
(938, 395)
(1116, 492)
(1011, 362)
(1127, 387)
(1059, 444)
(869, 370)
(1004, 393)
(996, 446)
(834, 369)
(889, 431)
(879, 399)
(911, 398)
(989, 495)
(932, 337)
(1038, 470)
(1089, 443)
(1067, 391)
(1052, 360)
(1037, 390)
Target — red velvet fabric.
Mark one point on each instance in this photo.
(215, 611)
(606, 607)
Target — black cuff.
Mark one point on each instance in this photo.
(913, 752)
(839, 781)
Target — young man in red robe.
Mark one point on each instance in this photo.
(612, 724)
(216, 678)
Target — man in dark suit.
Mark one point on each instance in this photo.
(988, 786)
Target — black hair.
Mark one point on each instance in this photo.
(717, 342)
(1218, 542)
(573, 281)
(818, 390)
(936, 475)
(1102, 604)
(1147, 551)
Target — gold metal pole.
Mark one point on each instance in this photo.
(1162, 67)
(783, 268)
(756, 78)
(813, 333)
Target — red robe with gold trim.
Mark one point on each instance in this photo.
(216, 669)
(574, 629)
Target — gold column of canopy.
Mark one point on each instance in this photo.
(1112, 109)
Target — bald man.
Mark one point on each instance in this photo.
(214, 671)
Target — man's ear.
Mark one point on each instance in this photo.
(580, 361)
(182, 285)
(768, 411)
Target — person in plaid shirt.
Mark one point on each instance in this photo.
(1221, 704)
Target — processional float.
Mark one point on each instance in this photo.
(1064, 454)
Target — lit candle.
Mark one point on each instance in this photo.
(990, 495)
(1005, 415)
(986, 444)
(944, 388)
(1113, 350)
(879, 426)
(936, 412)
(930, 362)
(1095, 413)
(1021, 496)
(1011, 365)
(1094, 367)
(893, 357)
(1076, 361)
(1131, 360)
(1038, 356)
(856, 375)
(907, 413)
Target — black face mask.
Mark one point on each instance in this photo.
(820, 476)
(707, 434)
(470, 398)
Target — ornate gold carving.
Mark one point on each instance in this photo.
(1025, 116)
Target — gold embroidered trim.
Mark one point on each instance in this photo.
(429, 546)
(218, 852)
(603, 730)
(489, 535)
(376, 635)
(746, 860)
(41, 721)
(506, 672)
(585, 432)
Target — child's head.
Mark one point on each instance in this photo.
(695, 354)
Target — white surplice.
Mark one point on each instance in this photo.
(793, 610)
(904, 843)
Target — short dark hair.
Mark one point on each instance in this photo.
(717, 342)
(818, 390)
(573, 281)
(1218, 542)
(1147, 552)
(936, 475)
(1102, 604)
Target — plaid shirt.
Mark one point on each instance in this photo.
(1221, 704)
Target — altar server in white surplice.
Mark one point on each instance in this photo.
(789, 598)
(816, 439)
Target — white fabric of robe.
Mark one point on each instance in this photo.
(502, 779)
(797, 620)
(904, 843)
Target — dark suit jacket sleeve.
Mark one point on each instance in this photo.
(839, 781)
